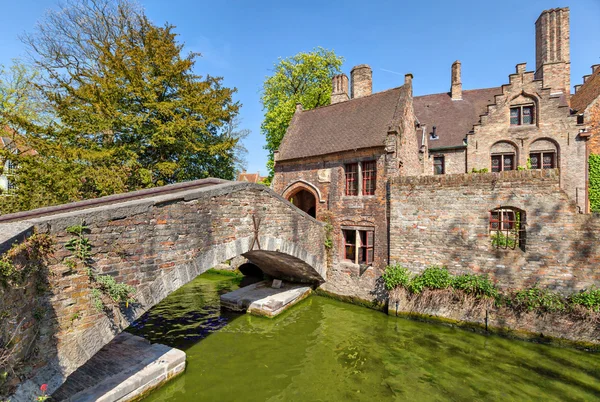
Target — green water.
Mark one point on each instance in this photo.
(324, 350)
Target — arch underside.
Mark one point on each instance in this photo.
(277, 258)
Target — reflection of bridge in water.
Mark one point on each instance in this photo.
(157, 240)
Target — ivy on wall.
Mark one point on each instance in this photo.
(594, 182)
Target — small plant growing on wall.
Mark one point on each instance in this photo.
(104, 287)
(483, 170)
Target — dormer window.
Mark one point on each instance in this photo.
(521, 115)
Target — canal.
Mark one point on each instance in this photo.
(325, 350)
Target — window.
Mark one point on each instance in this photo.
(369, 175)
(503, 162)
(361, 178)
(358, 245)
(352, 179)
(350, 244)
(542, 160)
(438, 165)
(521, 115)
(10, 167)
(507, 228)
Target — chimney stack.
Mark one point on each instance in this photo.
(339, 92)
(456, 84)
(362, 81)
(552, 52)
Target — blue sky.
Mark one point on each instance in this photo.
(241, 40)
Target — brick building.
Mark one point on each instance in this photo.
(340, 160)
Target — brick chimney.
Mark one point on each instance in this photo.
(552, 50)
(339, 92)
(456, 84)
(362, 81)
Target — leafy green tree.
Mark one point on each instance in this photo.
(128, 109)
(304, 78)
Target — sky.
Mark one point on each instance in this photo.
(242, 40)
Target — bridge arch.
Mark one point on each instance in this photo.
(157, 241)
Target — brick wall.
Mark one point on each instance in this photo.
(454, 161)
(552, 122)
(326, 175)
(444, 220)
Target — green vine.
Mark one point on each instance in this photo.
(81, 248)
(25, 259)
(327, 217)
(594, 182)
(20, 267)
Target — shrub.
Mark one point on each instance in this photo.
(499, 239)
(587, 298)
(395, 276)
(483, 170)
(535, 298)
(476, 285)
(433, 277)
(118, 292)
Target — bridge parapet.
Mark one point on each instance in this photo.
(157, 244)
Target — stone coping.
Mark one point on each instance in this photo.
(475, 178)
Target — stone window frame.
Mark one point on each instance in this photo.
(442, 164)
(521, 113)
(362, 239)
(553, 149)
(506, 228)
(542, 154)
(502, 160)
(366, 171)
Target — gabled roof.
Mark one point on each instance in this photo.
(248, 177)
(15, 144)
(586, 94)
(453, 119)
(345, 126)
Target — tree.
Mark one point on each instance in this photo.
(304, 78)
(129, 111)
(233, 131)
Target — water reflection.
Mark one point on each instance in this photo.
(330, 351)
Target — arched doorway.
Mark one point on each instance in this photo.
(305, 200)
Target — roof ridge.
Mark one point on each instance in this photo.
(464, 90)
(354, 99)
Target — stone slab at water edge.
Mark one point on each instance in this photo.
(124, 370)
(262, 299)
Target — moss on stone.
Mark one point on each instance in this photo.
(373, 305)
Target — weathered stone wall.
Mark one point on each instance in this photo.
(552, 50)
(157, 245)
(592, 121)
(454, 161)
(444, 220)
(553, 122)
(362, 81)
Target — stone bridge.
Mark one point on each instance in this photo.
(156, 240)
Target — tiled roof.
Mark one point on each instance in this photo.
(353, 124)
(586, 94)
(249, 177)
(452, 119)
(15, 143)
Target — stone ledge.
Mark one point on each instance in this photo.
(467, 179)
(159, 363)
